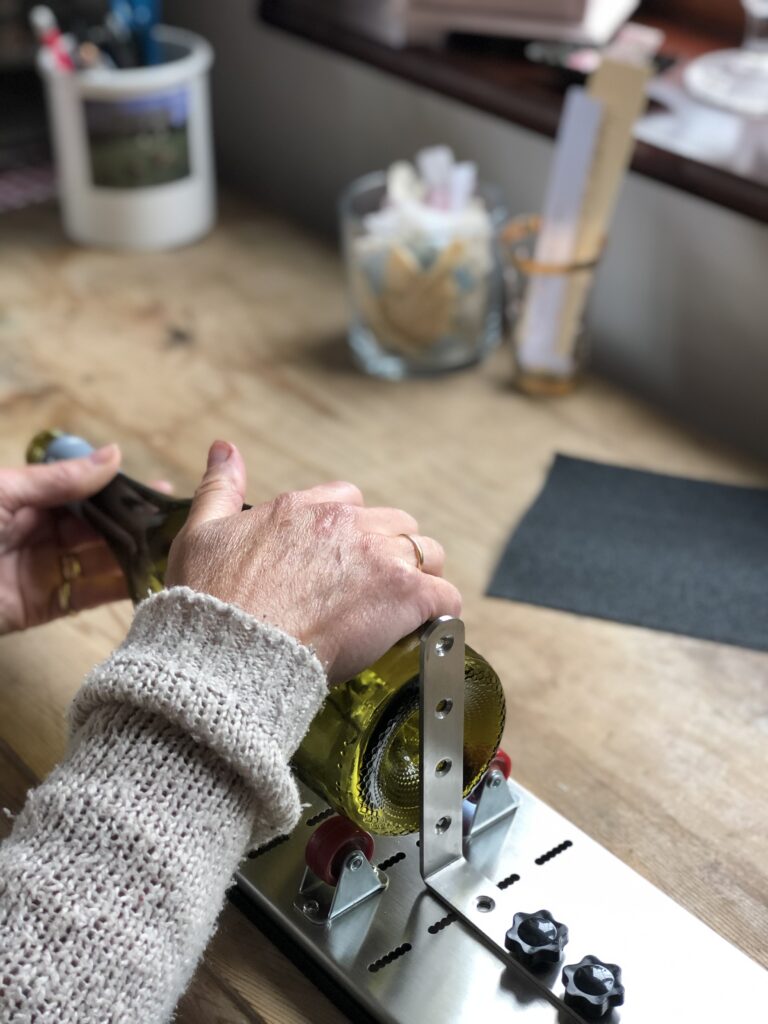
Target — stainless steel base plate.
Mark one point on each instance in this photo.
(406, 960)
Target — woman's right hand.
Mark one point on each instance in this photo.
(318, 564)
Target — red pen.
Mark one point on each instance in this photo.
(46, 29)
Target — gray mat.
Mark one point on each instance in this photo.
(658, 551)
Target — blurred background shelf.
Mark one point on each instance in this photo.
(494, 76)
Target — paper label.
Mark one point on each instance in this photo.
(620, 88)
(539, 325)
(580, 203)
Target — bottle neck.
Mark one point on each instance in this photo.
(137, 522)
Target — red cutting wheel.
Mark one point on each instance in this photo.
(501, 761)
(333, 841)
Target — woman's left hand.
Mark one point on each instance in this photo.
(51, 563)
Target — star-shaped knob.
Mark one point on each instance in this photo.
(592, 987)
(536, 940)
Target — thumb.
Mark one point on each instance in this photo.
(57, 483)
(222, 488)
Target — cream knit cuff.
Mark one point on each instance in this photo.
(244, 689)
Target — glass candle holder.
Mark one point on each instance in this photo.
(421, 302)
(546, 362)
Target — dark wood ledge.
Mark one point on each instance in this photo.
(493, 76)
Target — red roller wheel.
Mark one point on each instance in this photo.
(331, 843)
(502, 762)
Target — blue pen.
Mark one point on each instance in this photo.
(139, 17)
(146, 14)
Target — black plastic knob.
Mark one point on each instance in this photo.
(536, 940)
(592, 988)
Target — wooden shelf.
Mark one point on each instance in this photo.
(494, 76)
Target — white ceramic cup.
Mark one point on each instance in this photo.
(133, 147)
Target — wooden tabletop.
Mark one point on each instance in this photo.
(654, 744)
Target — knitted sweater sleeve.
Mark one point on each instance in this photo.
(115, 871)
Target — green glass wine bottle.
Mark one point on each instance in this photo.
(361, 753)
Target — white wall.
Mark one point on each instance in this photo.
(680, 310)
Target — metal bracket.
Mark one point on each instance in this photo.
(358, 881)
(487, 910)
(496, 802)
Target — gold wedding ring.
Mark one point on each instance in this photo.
(417, 548)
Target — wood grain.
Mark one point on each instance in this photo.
(207, 1001)
(652, 743)
(282, 993)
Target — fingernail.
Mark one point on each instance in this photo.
(104, 454)
(220, 452)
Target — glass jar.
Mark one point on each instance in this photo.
(548, 357)
(421, 302)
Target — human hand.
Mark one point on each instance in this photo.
(51, 562)
(317, 564)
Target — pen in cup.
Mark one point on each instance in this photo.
(90, 56)
(146, 14)
(46, 29)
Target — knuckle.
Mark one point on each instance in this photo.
(410, 521)
(184, 539)
(453, 602)
(438, 597)
(425, 604)
(369, 546)
(332, 517)
(212, 485)
(286, 505)
(401, 576)
(348, 488)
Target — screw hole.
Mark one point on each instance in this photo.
(444, 707)
(443, 645)
(442, 824)
(485, 904)
(443, 766)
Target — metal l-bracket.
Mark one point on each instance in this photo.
(358, 881)
(485, 908)
(495, 802)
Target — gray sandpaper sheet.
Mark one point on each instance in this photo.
(679, 555)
